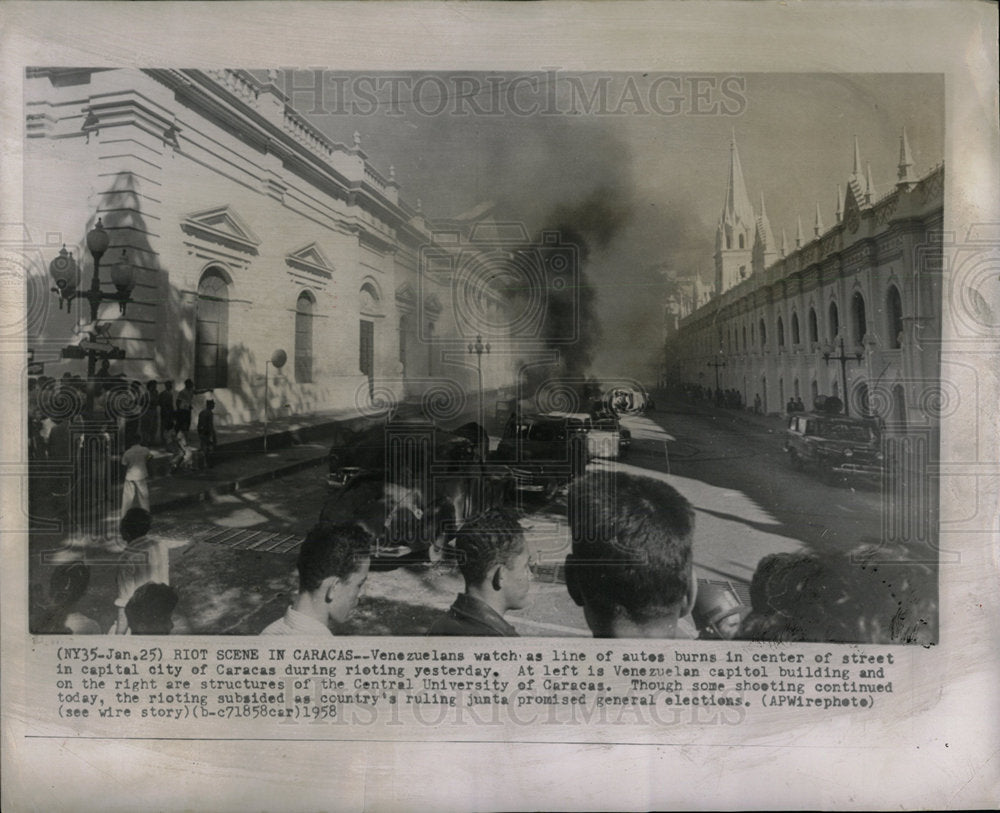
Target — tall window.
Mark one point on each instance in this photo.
(834, 321)
(894, 315)
(795, 329)
(763, 333)
(859, 317)
(211, 351)
(813, 326)
(304, 338)
(781, 333)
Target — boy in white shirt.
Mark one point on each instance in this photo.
(136, 488)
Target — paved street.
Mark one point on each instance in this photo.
(233, 555)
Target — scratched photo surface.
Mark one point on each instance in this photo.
(683, 329)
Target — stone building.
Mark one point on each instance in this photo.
(249, 231)
(866, 288)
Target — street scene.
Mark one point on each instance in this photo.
(573, 377)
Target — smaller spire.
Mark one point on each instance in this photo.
(839, 213)
(798, 233)
(420, 205)
(869, 186)
(392, 172)
(357, 140)
(857, 159)
(784, 243)
(905, 163)
(818, 226)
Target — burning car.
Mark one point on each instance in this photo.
(835, 446)
(542, 452)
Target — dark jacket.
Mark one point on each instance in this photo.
(470, 616)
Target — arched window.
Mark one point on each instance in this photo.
(304, 337)
(894, 316)
(763, 333)
(744, 338)
(781, 333)
(813, 326)
(859, 317)
(795, 329)
(834, 321)
(211, 350)
(729, 241)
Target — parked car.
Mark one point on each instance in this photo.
(541, 452)
(407, 447)
(835, 446)
(602, 431)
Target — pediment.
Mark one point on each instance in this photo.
(311, 258)
(222, 225)
(432, 304)
(405, 295)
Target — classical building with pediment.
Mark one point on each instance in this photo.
(866, 289)
(249, 232)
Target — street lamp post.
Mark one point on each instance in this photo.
(719, 362)
(65, 273)
(843, 359)
(479, 348)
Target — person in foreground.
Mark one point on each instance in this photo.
(494, 562)
(333, 566)
(631, 566)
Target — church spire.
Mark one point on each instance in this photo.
(764, 227)
(737, 211)
(818, 226)
(839, 213)
(857, 159)
(905, 163)
(798, 233)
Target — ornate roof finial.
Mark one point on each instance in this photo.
(839, 213)
(798, 234)
(818, 226)
(420, 205)
(272, 76)
(869, 186)
(857, 159)
(905, 163)
(784, 243)
(392, 172)
(357, 139)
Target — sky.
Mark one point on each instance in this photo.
(637, 163)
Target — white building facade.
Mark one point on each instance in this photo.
(249, 231)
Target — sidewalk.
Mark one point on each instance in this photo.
(293, 443)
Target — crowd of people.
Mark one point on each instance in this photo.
(630, 570)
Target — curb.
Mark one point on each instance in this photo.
(219, 489)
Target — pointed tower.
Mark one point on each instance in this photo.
(905, 169)
(784, 243)
(798, 234)
(818, 225)
(839, 214)
(737, 226)
(869, 186)
(764, 245)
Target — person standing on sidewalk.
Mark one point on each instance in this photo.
(136, 488)
(184, 405)
(206, 431)
(165, 402)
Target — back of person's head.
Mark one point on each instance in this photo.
(135, 523)
(487, 540)
(631, 547)
(168, 384)
(150, 610)
(188, 383)
(331, 550)
(68, 583)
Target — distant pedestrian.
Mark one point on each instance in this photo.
(206, 431)
(799, 406)
(165, 403)
(184, 405)
(756, 404)
(136, 487)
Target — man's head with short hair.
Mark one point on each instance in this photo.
(150, 610)
(333, 565)
(494, 559)
(631, 568)
(135, 523)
